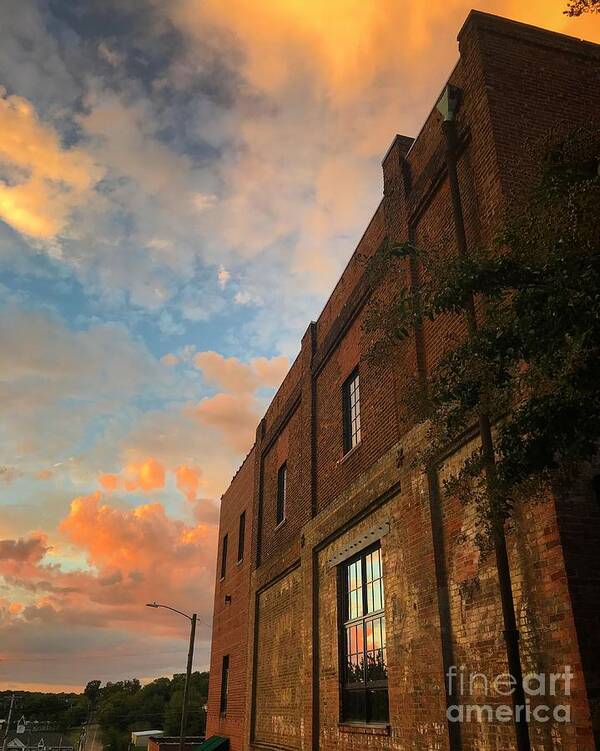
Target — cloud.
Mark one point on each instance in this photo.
(235, 416)
(188, 481)
(109, 482)
(223, 276)
(169, 359)
(40, 181)
(134, 555)
(146, 475)
(53, 376)
(150, 475)
(236, 410)
(233, 375)
(30, 550)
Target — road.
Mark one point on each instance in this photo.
(91, 740)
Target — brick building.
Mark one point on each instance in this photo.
(335, 552)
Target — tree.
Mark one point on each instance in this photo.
(126, 706)
(579, 7)
(76, 714)
(528, 362)
(533, 363)
(92, 690)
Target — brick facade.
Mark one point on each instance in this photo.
(281, 627)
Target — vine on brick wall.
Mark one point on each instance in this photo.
(533, 364)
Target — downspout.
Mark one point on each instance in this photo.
(448, 105)
(435, 508)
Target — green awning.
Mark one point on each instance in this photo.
(216, 743)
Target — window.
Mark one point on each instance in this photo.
(241, 536)
(281, 493)
(363, 641)
(596, 487)
(351, 411)
(224, 684)
(224, 557)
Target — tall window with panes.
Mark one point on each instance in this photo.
(363, 642)
(351, 411)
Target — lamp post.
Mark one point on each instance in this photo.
(192, 618)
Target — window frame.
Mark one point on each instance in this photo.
(281, 498)
(351, 422)
(224, 693)
(241, 536)
(344, 621)
(224, 546)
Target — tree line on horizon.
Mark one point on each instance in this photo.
(119, 708)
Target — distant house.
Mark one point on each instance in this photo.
(171, 742)
(140, 738)
(37, 736)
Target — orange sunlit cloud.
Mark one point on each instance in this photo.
(109, 482)
(234, 415)
(134, 556)
(345, 45)
(146, 475)
(233, 375)
(47, 180)
(150, 475)
(188, 481)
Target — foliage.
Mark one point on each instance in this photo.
(92, 690)
(579, 7)
(63, 710)
(120, 707)
(127, 706)
(533, 363)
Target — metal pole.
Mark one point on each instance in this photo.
(188, 677)
(10, 711)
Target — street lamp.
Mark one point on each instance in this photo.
(192, 618)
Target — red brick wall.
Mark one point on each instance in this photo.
(279, 664)
(230, 620)
(288, 448)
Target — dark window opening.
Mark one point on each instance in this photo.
(596, 487)
(224, 684)
(281, 493)
(241, 536)
(363, 640)
(351, 411)
(224, 558)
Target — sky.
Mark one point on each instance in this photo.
(181, 183)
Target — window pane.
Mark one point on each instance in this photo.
(355, 705)
(378, 710)
(354, 591)
(377, 634)
(376, 650)
(376, 557)
(377, 600)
